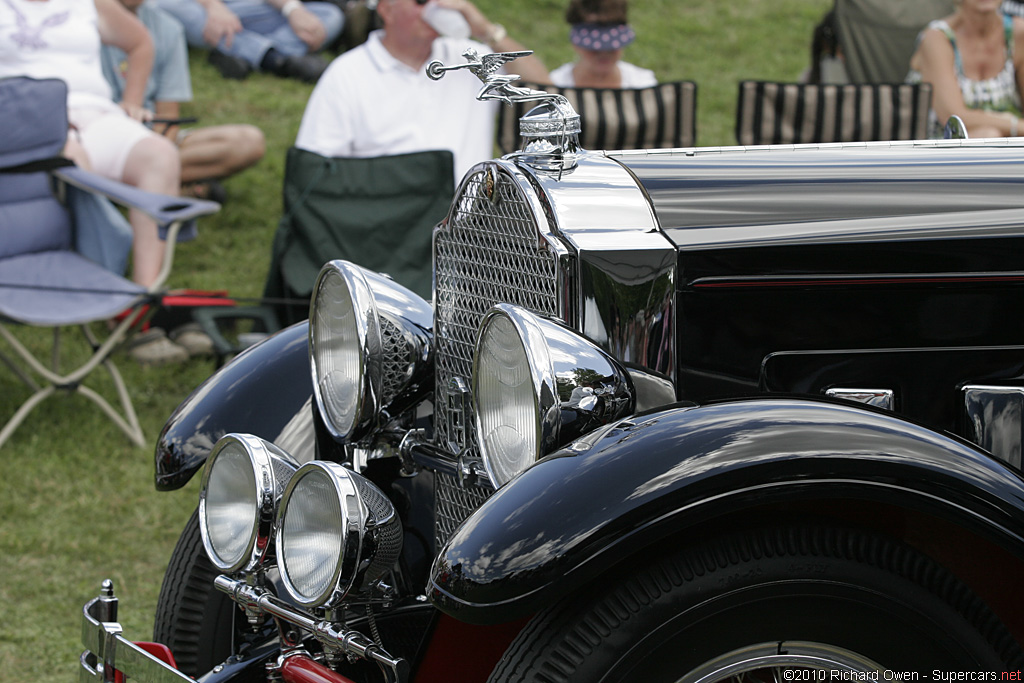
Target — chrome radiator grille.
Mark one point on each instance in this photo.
(452, 504)
(490, 252)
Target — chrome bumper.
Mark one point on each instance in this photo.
(108, 652)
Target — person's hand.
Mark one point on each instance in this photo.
(221, 24)
(479, 25)
(307, 27)
(137, 111)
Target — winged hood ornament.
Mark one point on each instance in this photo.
(549, 131)
(497, 86)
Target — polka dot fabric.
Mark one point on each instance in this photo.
(601, 37)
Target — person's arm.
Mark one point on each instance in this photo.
(305, 24)
(495, 36)
(221, 23)
(935, 61)
(121, 28)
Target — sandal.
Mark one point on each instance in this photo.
(205, 189)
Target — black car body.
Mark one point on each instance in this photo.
(794, 442)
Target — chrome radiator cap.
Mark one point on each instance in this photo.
(550, 134)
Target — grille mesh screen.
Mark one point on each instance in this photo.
(389, 534)
(396, 359)
(453, 504)
(490, 252)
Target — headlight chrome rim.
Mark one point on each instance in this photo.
(364, 397)
(267, 472)
(352, 521)
(542, 378)
(577, 387)
(370, 348)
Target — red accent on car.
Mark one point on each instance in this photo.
(160, 651)
(302, 669)
(465, 652)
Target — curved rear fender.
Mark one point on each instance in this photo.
(265, 391)
(575, 514)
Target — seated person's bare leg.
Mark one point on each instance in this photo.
(219, 151)
(153, 164)
(74, 151)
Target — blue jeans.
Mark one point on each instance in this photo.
(263, 27)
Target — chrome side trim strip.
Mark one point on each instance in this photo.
(995, 420)
(879, 398)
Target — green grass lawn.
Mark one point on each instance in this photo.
(77, 503)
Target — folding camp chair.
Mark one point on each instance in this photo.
(44, 281)
(378, 212)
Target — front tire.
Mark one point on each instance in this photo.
(194, 619)
(761, 601)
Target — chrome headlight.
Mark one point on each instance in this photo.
(243, 480)
(336, 532)
(369, 345)
(538, 385)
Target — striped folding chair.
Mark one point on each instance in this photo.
(662, 116)
(793, 113)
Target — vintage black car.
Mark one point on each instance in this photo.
(673, 415)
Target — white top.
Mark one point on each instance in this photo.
(55, 39)
(632, 76)
(369, 104)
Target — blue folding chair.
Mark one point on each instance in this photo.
(44, 279)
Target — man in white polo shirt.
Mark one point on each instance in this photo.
(376, 100)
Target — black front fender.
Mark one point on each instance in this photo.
(574, 514)
(264, 391)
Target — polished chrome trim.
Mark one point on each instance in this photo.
(371, 535)
(108, 651)
(550, 131)
(597, 205)
(366, 398)
(407, 333)
(354, 521)
(956, 129)
(652, 391)
(272, 470)
(394, 327)
(255, 599)
(831, 146)
(577, 385)
(995, 420)
(607, 218)
(542, 375)
(879, 398)
(496, 205)
(549, 137)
